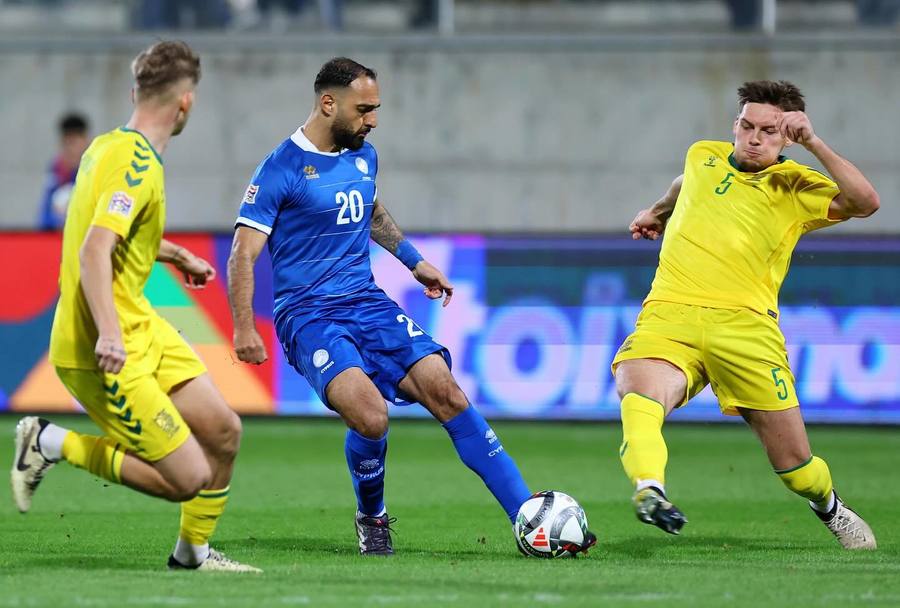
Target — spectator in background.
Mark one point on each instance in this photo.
(73, 141)
(424, 15)
(330, 11)
(878, 13)
(745, 15)
(181, 14)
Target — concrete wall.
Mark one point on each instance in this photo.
(479, 135)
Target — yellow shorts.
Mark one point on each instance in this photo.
(740, 352)
(133, 407)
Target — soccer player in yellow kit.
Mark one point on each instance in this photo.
(167, 431)
(731, 222)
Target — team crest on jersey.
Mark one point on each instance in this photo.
(320, 357)
(362, 165)
(120, 204)
(250, 194)
(710, 162)
(311, 172)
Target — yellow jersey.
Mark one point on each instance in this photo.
(119, 187)
(729, 241)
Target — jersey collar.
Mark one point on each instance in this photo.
(733, 163)
(147, 141)
(299, 138)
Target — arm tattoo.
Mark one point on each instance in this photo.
(384, 229)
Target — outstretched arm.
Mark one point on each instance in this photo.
(197, 271)
(386, 233)
(650, 223)
(245, 249)
(858, 197)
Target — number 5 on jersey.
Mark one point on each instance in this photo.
(352, 208)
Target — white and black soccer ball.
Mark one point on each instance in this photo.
(552, 524)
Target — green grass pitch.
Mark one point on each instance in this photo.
(748, 543)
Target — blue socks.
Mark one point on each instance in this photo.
(365, 458)
(480, 449)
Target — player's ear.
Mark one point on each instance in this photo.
(187, 101)
(327, 104)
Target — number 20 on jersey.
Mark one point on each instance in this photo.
(352, 208)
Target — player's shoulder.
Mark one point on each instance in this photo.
(365, 159)
(368, 150)
(131, 146)
(284, 160)
(800, 173)
(721, 149)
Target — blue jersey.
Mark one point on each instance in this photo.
(316, 208)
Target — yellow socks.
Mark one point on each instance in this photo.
(100, 455)
(811, 480)
(643, 452)
(200, 515)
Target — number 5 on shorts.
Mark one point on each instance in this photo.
(782, 393)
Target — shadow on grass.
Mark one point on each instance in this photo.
(648, 547)
(310, 546)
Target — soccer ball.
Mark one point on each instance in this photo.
(551, 524)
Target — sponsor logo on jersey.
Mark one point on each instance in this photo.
(311, 172)
(362, 165)
(320, 357)
(710, 162)
(250, 194)
(491, 436)
(495, 451)
(120, 204)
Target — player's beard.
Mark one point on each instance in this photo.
(345, 137)
(180, 124)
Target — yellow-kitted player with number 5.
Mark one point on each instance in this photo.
(731, 223)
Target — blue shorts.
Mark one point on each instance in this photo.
(368, 331)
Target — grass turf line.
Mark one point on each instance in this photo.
(749, 541)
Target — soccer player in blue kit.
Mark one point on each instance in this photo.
(314, 201)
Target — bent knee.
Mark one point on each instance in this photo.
(445, 395)
(230, 435)
(372, 424)
(189, 483)
(656, 379)
(223, 439)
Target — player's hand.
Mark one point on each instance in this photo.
(796, 127)
(646, 225)
(249, 346)
(197, 271)
(110, 353)
(436, 284)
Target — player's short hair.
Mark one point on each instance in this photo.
(779, 93)
(340, 72)
(160, 66)
(73, 124)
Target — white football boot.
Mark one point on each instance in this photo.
(215, 562)
(29, 464)
(851, 530)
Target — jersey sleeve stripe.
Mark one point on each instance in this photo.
(252, 224)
